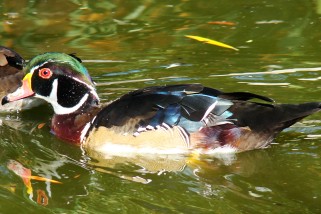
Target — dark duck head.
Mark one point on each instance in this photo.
(159, 119)
(61, 80)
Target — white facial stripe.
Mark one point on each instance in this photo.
(54, 91)
(38, 66)
(53, 100)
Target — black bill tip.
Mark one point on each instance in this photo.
(5, 100)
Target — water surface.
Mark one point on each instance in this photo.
(132, 44)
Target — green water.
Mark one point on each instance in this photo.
(132, 44)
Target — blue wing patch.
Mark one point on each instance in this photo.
(192, 112)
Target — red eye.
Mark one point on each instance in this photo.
(45, 73)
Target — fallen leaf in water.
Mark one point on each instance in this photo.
(38, 178)
(41, 125)
(222, 23)
(211, 42)
(42, 198)
(26, 176)
(22, 172)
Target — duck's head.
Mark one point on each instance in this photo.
(59, 79)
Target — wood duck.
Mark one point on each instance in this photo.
(11, 74)
(168, 119)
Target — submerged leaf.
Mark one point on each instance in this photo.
(42, 198)
(211, 42)
(222, 23)
(25, 174)
(22, 172)
(41, 125)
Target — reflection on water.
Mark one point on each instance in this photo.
(252, 177)
(139, 43)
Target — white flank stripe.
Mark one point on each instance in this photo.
(209, 110)
(136, 134)
(84, 131)
(168, 128)
(149, 127)
(141, 129)
(185, 136)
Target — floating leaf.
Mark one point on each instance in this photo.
(38, 178)
(211, 42)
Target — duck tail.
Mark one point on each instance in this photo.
(256, 125)
(271, 118)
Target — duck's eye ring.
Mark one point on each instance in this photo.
(45, 73)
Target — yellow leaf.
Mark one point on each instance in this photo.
(211, 41)
(38, 178)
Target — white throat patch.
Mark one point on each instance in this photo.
(53, 100)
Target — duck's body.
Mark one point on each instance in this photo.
(166, 119)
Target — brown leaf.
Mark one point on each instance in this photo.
(42, 198)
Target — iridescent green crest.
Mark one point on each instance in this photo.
(61, 63)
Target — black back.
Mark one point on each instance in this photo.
(188, 105)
